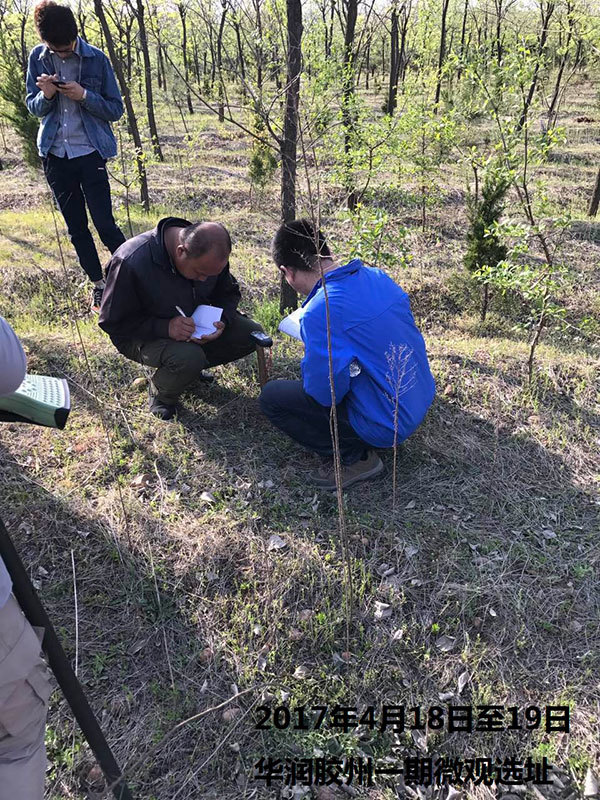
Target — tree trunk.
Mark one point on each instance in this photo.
(463, 32)
(595, 201)
(403, 59)
(259, 50)
(81, 23)
(498, 43)
(288, 297)
(148, 81)
(541, 47)
(563, 63)
(348, 113)
(220, 60)
(394, 64)
(182, 12)
(238, 38)
(441, 55)
(132, 120)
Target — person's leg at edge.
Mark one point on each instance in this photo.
(293, 411)
(24, 691)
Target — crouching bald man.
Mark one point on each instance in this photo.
(177, 266)
(382, 381)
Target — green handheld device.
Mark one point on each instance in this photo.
(39, 399)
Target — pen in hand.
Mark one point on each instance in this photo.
(183, 331)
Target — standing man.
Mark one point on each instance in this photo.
(71, 87)
(155, 282)
(24, 683)
(382, 381)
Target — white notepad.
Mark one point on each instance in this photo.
(291, 324)
(204, 316)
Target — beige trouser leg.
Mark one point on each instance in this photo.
(24, 692)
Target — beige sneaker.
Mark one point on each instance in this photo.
(324, 478)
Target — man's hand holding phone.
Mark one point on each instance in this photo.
(72, 90)
(48, 84)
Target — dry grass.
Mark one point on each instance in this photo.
(494, 540)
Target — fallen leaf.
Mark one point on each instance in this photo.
(139, 383)
(43, 573)
(300, 673)
(382, 610)
(230, 713)
(206, 655)
(445, 696)
(207, 497)
(493, 613)
(445, 643)
(547, 533)
(266, 484)
(419, 739)
(276, 543)
(95, 775)
(384, 570)
(397, 635)
(410, 551)
(463, 679)
(410, 504)
(261, 664)
(142, 481)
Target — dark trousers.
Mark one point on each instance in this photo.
(294, 412)
(180, 363)
(75, 182)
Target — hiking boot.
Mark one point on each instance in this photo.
(162, 410)
(97, 293)
(367, 467)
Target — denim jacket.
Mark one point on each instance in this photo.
(102, 104)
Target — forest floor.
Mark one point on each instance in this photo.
(486, 556)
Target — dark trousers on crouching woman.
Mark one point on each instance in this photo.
(293, 411)
(180, 363)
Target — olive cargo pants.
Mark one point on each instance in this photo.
(180, 363)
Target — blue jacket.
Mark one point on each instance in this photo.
(372, 326)
(101, 106)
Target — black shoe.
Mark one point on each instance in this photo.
(162, 410)
(97, 293)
